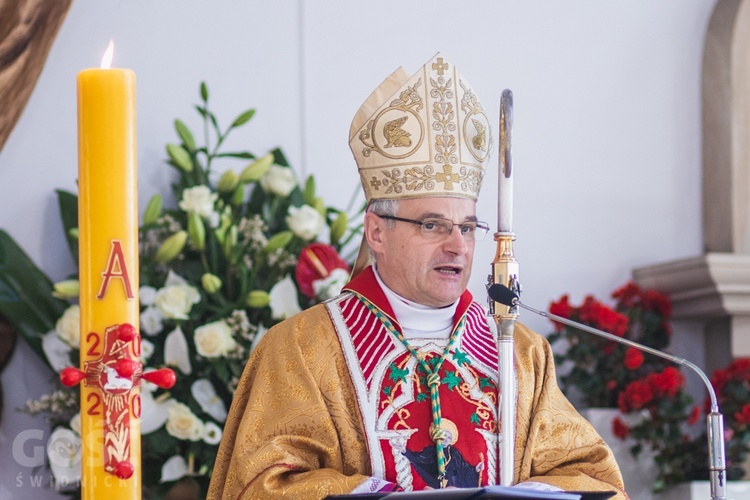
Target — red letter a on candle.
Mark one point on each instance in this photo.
(116, 268)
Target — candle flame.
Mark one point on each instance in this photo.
(108, 55)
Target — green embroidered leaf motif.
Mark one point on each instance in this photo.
(485, 382)
(475, 419)
(387, 390)
(452, 380)
(422, 397)
(398, 374)
(461, 358)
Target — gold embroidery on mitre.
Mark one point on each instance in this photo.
(430, 138)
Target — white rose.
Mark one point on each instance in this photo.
(147, 349)
(152, 321)
(278, 180)
(305, 222)
(198, 199)
(331, 286)
(183, 424)
(147, 295)
(284, 299)
(68, 327)
(214, 339)
(175, 301)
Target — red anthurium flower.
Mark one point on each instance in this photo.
(316, 261)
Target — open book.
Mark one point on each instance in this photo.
(487, 492)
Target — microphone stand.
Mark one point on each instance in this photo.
(714, 421)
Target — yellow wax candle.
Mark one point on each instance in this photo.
(108, 268)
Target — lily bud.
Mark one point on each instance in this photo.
(180, 157)
(211, 283)
(256, 169)
(239, 195)
(258, 299)
(196, 230)
(227, 182)
(230, 242)
(67, 289)
(73, 232)
(308, 195)
(278, 240)
(320, 206)
(171, 247)
(153, 209)
(338, 227)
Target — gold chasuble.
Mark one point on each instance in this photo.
(332, 401)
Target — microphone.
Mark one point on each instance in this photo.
(715, 421)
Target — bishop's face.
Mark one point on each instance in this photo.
(432, 271)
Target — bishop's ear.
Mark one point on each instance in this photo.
(374, 231)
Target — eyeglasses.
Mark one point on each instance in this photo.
(435, 228)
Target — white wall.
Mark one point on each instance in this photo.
(606, 137)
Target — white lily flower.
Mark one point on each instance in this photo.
(330, 286)
(284, 299)
(173, 469)
(64, 453)
(212, 433)
(174, 279)
(205, 394)
(75, 423)
(176, 351)
(57, 351)
(153, 413)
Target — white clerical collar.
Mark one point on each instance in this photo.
(418, 320)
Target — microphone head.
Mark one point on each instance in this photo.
(502, 294)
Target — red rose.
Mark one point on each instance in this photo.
(628, 295)
(743, 416)
(636, 396)
(611, 321)
(668, 382)
(633, 358)
(561, 308)
(694, 415)
(316, 261)
(620, 428)
(656, 301)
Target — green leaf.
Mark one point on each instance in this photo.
(204, 91)
(243, 118)
(26, 295)
(68, 203)
(185, 135)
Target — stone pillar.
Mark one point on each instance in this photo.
(714, 288)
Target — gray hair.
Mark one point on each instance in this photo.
(383, 207)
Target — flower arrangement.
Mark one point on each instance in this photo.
(604, 373)
(241, 251)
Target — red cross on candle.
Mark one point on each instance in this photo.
(116, 373)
